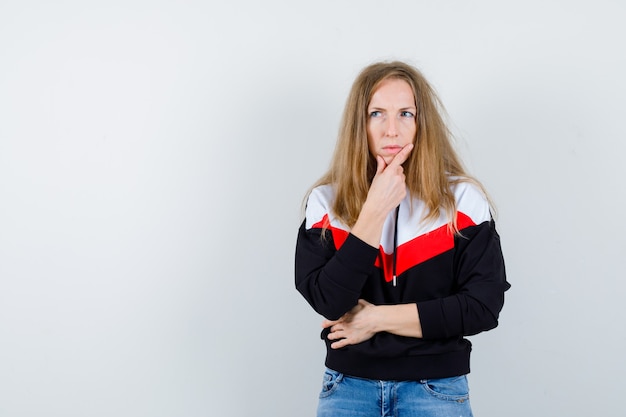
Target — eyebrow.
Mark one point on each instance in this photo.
(401, 109)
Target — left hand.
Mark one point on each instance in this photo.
(356, 326)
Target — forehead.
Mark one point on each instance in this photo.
(393, 91)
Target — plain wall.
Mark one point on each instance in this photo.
(153, 160)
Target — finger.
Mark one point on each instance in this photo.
(329, 323)
(336, 335)
(401, 156)
(339, 344)
(380, 167)
(364, 303)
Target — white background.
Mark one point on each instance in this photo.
(153, 160)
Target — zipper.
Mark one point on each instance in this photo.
(395, 246)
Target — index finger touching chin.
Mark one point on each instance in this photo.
(403, 155)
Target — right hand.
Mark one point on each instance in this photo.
(388, 187)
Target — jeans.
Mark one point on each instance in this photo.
(345, 396)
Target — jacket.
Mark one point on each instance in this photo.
(457, 280)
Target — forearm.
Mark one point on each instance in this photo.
(369, 225)
(399, 319)
(366, 319)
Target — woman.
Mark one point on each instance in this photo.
(399, 252)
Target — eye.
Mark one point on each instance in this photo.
(375, 113)
(407, 114)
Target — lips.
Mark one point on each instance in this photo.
(393, 149)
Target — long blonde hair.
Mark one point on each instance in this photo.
(433, 165)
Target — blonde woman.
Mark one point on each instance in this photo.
(399, 252)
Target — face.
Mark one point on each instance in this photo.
(391, 123)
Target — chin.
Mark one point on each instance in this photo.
(388, 159)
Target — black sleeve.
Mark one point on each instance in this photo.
(331, 280)
(480, 285)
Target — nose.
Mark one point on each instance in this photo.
(392, 127)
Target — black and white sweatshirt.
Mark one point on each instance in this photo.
(457, 281)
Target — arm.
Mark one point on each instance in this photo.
(331, 280)
(478, 298)
(366, 319)
(474, 307)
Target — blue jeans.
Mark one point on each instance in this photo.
(345, 396)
